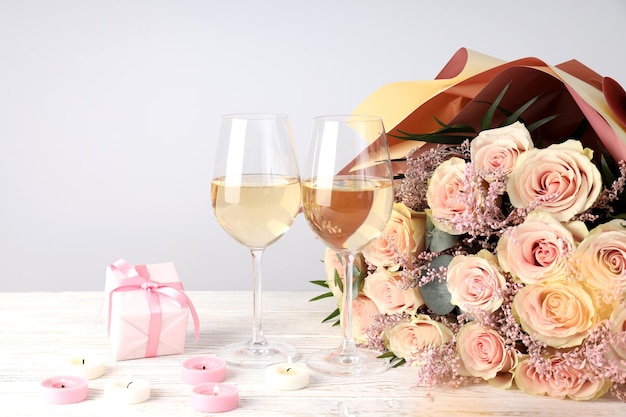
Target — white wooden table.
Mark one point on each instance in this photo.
(38, 331)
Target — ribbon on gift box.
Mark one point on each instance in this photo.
(136, 277)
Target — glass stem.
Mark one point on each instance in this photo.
(258, 340)
(348, 345)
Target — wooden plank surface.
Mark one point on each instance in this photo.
(40, 331)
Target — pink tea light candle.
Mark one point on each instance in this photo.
(128, 391)
(201, 369)
(215, 398)
(66, 389)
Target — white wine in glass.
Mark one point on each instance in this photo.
(347, 197)
(255, 195)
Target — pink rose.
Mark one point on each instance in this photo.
(484, 354)
(476, 282)
(555, 313)
(363, 312)
(561, 179)
(495, 151)
(601, 259)
(537, 250)
(402, 236)
(411, 338)
(445, 193)
(383, 287)
(563, 381)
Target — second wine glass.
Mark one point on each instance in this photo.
(347, 197)
(255, 194)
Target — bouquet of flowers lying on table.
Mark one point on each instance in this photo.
(505, 256)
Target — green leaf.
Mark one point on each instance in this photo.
(539, 123)
(435, 294)
(455, 128)
(322, 296)
(438, 139)
(321, 283)
(338, 281)
(398, 363)
(394, 360)
(488, 117)
(515, 116)
(332, 315)
(448, 134)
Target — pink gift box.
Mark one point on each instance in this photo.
(146, 310)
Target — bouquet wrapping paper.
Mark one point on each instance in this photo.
(146, 310)
(459, 92)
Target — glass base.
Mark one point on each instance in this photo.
(248, 355)
(360, 362)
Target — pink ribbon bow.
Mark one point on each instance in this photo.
(134, 278)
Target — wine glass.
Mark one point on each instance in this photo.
(347, 197)
(255, 195)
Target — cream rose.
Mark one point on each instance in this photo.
(484, 354)
(557, 314)
(410, 338)
(475, 281)
(383, 287)
(402, 236)
(495, 151)
(562, 173)
(363, 312)
(445, 189)
(564, 381)
(601, 259)
(536, 250)
(618, 330)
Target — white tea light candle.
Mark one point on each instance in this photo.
(65, 389)
(87, 367)
(287, 376)
(202, 369)
(127, 391)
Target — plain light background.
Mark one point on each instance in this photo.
(109, 112)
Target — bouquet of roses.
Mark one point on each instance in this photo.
(504, 259)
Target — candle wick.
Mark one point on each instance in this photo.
(204, 367)
(62, 385)
(288, 369)
(83, 361)
(129, 384)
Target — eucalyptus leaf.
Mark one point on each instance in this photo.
(436, 239)
(435, 293)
